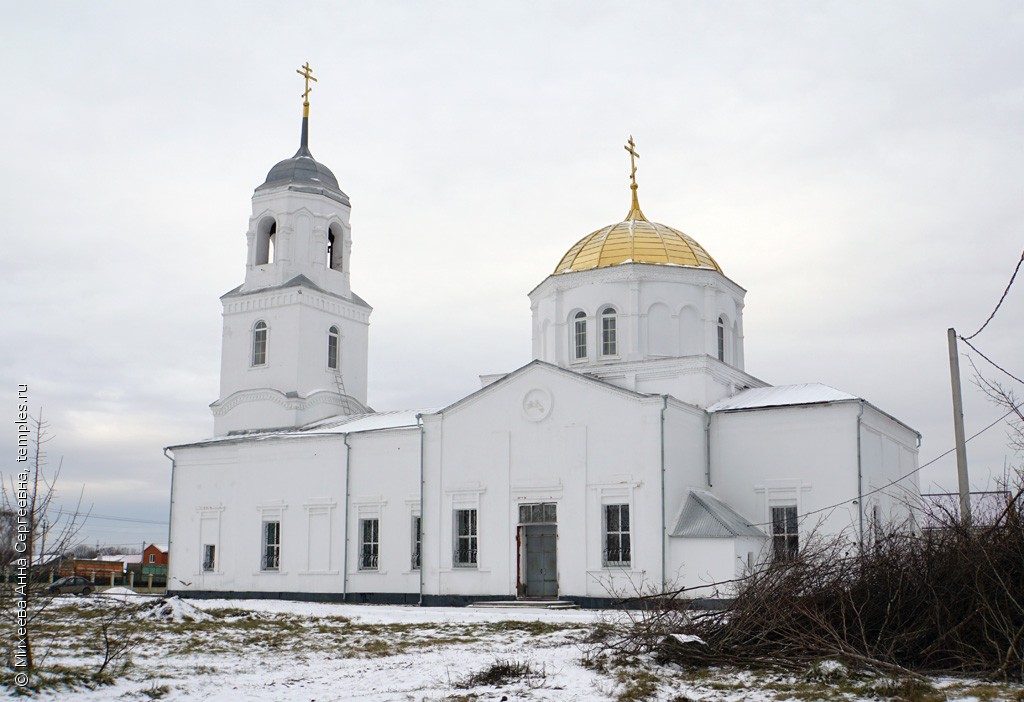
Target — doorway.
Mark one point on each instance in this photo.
(538, 551)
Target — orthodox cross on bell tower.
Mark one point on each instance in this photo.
(307, 73)
(634, 212)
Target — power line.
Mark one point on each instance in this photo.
(86, 516)
(993, 363)
(998, 304)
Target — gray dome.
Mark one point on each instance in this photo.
(304, 173)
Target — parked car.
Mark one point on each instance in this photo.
(71, 585)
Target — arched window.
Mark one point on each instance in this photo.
(579, 335)
(332, 348)
(259, 343)
(265, 241)
(609, 337)
(334, 240)
(721, 339)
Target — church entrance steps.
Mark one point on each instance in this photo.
(526, 604)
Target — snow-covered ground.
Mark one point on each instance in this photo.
(240, 650)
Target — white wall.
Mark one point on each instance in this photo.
(889, 451)
(384, 485)
(706, 566)
(802, 455)
(223, 492)
(588, 446)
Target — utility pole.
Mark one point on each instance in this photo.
(958, 429)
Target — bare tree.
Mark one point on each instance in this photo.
(42, 530)
(1006, 397)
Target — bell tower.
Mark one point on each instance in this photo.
(295, 338)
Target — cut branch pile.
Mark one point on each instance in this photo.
(950, 600)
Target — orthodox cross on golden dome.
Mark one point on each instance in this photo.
(634, 212)
(307, 73)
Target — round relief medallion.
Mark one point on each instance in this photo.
(537, 404)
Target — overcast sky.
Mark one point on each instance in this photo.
(857, 167)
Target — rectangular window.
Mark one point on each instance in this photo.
(271, 546)
(209, 558)
(369, 545)
(417, 541)
(152, 558)
(617, 547)
(785, 535)
(580, 338)
(544, 513)
(465, 538)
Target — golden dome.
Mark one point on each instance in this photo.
(635, 240)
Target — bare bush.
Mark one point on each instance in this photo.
(950, 600)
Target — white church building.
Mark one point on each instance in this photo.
(634, 453)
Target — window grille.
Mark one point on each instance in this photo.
(369, 547)
(617, 546)
(271, 546)
(417, 542)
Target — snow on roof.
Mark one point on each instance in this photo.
(338, 424)
(121, 558)
(781, 396)
(705, 516)
(348, 424)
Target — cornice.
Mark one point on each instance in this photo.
(287, 402)
(300, 295)
(630, 272)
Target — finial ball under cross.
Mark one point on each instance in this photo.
(307, 73)
(633, 155)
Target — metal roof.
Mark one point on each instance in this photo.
(781, 396)
(337, 425)
(350, 424)
(705, 516)
(303, 173)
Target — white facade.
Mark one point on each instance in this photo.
(634, 454)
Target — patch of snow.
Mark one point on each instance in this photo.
(119, 593)
(689, 638)
(175, 609)
(782, 396)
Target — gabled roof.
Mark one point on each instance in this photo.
(781, 396)
(537, 363)
(705, 516)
